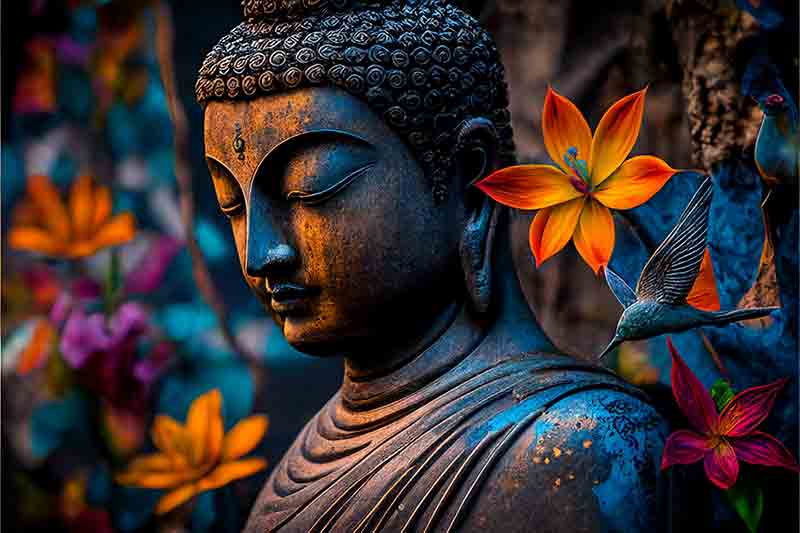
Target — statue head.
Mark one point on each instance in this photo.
(342, 137)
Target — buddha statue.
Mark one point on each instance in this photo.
(343, 137)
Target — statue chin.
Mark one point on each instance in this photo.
(305, 336)
(375, 332)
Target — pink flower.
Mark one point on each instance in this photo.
(105, 354)
(149, 273)
(723, 439)
(83, 335)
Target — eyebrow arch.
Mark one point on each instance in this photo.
(323, 132)
(221, 164)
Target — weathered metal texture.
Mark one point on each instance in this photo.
(532, 443)
(423, 66)
(453, 414)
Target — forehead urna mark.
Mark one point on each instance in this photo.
(238, 142)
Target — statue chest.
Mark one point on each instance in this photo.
(417, 465)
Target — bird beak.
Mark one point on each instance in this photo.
(616, 341)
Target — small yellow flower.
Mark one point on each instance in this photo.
(44, 224)
(198, 456)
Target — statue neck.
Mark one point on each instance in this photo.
(509, 328)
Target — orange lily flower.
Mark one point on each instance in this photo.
(591, 176)
(196, 457)
(44, 224)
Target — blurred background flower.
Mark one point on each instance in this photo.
(105, 328)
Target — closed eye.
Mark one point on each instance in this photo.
(229, 194)
(232, 210)
(318, 197)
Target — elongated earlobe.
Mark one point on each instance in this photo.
(475, 153)
(476, 254)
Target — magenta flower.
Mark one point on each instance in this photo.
(149, 273)
(82, 291)
(105, 354)
(723, 439)
(83, 336)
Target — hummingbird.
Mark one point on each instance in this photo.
(658, 305)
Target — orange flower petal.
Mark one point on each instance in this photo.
(170, 437)
(615, 135)
(25, 214)
(529, 186)
(119, 230)
(80, 206)
(227, 472)
(102, 206)
(704, 293)
(39, 347)
(243, 437)
(564, 126)
(634, 183)
(150, 463)
(552, 229)
(594, 236)
(204, 425)
(36, 240)
(52, 212)
(173, 499)
(158, 479)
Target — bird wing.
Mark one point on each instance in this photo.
(622, 291)
(671, 271)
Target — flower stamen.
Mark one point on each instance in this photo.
(581, 180)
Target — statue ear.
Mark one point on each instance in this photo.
(475, 150)
(476, 253)
(475, 155)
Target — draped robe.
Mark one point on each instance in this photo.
(525, 442)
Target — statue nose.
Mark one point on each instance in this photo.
(270, 259)
(268, 251)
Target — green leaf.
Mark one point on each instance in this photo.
(722, 393)
(113, 283)
(748, 502)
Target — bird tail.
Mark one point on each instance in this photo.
(737, 315)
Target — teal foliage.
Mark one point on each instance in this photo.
(53, 422)
(231, 377)
(204, 512)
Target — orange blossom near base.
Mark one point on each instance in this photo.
(198, 456)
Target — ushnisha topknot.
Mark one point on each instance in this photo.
(424, 66)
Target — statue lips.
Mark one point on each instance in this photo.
(288, 298)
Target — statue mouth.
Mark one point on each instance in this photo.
(289, 298)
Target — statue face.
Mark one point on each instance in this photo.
(334, 220)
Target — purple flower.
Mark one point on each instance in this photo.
(106, 354)
(72, 52)
(149, 273)
(82, 290)
(148, 370)
(128, 322)
(83, 335)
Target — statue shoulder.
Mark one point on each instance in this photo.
(590, 462)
